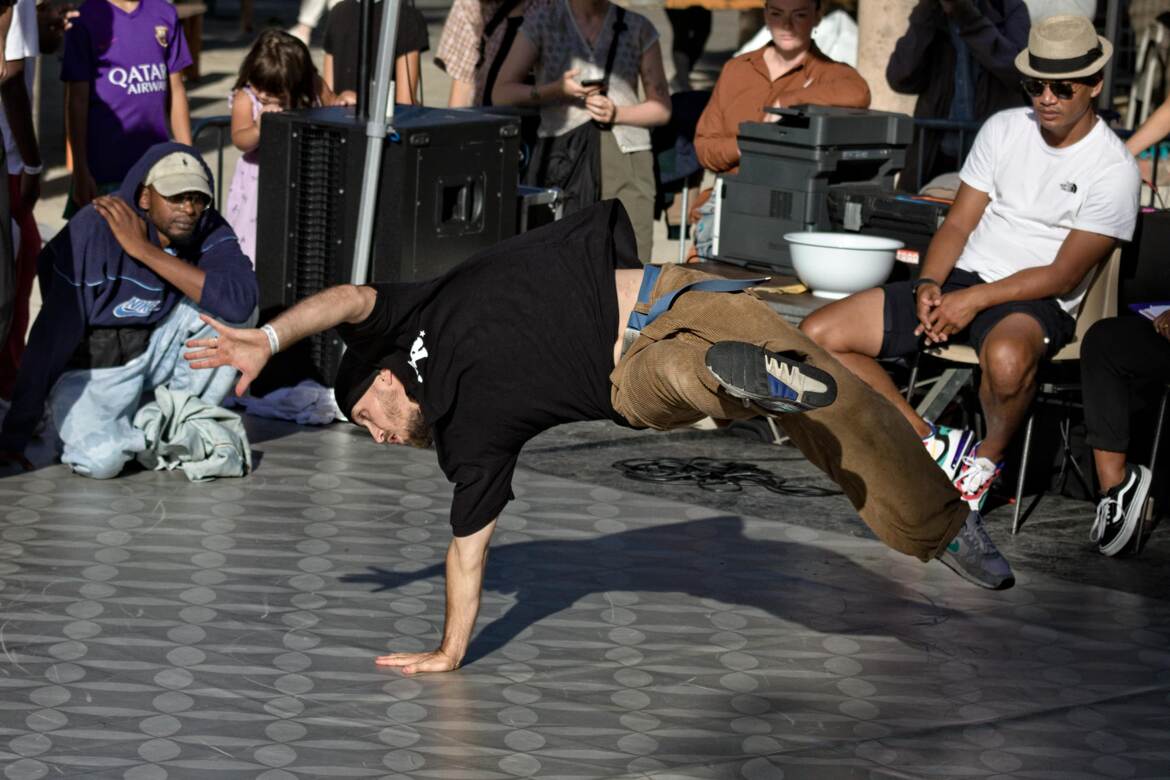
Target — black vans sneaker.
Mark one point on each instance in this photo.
(777, 382)
(1119, 513)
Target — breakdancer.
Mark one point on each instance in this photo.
(561, 325)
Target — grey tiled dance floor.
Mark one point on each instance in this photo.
(151, 628)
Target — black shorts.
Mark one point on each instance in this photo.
(901, 318)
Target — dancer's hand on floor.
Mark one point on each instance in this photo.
(412, 663)
(244, 349)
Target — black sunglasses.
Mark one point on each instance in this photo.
(197, 200)
(1062, 89)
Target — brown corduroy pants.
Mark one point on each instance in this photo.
(860, 441)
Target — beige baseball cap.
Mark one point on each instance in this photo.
(177, 173)
(1064, 47)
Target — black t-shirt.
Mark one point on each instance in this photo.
(510, 343)
(341, 38)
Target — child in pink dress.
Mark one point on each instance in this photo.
(277, 75)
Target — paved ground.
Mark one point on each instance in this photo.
(154, 628)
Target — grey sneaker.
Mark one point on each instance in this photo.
(778, 382)
(1119, 513)
(973, 556)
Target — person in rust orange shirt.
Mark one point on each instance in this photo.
(788, 71)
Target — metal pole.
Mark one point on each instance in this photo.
(1113, 33)
(365, 22)
(376, 127)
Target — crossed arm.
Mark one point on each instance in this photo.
(941, 316)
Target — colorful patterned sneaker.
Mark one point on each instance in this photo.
(976, 477)
(1120, 511)
(948, 447)
(778, 382)
(973, 556)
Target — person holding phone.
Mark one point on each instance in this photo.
(590, 56)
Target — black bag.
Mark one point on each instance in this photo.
(572, 161)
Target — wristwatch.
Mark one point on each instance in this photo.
(921, 281)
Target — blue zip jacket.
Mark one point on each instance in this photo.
(88, 282)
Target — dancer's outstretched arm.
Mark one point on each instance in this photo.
(248, 349)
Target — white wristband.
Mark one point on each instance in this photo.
(34, 170)
(273, 339)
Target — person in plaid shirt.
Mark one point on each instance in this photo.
(470, 52)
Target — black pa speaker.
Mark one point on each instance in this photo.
(447, 189)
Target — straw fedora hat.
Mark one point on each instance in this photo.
(1064, 47)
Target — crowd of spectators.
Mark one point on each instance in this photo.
(146, 248)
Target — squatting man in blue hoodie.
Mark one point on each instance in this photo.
(123, 285)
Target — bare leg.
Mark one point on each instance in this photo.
(851, 331)
(1110, 468)
(1010, 356)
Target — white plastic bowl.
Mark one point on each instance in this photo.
(834, 265)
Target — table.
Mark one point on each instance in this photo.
(792, 307)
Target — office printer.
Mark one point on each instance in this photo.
(787, 169)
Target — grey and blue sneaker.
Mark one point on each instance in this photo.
(973, 556)
(1119, 512)
(777, 382)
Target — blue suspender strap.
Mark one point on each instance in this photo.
(649, 278)
(639, 321)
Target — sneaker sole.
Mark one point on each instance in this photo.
(962, 572)
(1133, 515)
(951, 461)
(742, 370)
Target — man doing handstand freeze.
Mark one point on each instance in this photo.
(560, 325)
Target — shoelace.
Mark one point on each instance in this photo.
(1105, 512)
(975, 473)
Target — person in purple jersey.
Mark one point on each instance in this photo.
(124, 285)
(121, 67)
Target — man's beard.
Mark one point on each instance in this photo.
(418, 433)
(415, 431)
(180, 239)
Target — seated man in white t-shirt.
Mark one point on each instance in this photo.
(1045, 195)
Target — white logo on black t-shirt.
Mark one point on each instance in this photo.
(418, 351)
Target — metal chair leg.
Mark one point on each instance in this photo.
(682, 225)
(913, 376)
(1016, 515)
